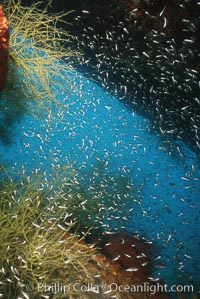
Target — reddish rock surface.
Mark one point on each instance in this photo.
(4, 43)
(129, 252)
(125, 262)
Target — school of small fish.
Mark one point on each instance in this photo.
(151, 73)
(144, 180)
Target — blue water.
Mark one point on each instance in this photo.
(91, 126)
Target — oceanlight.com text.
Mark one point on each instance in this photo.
(151, 288)
(146, 287)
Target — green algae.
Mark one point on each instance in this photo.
(37, 48)
(37, 246)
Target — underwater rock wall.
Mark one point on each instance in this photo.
(4, 42)
(123, 175)
(91, 126)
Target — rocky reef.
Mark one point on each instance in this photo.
(43, 253)
(4, 44)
